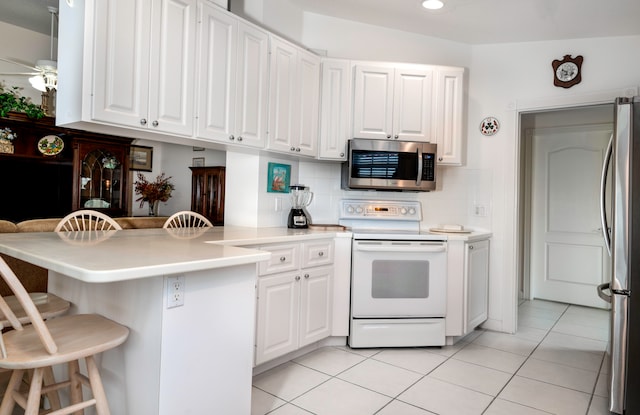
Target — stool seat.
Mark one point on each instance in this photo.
(77, 336)
(48, 305)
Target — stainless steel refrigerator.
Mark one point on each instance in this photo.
(622, 235)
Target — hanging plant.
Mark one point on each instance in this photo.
(11, 100)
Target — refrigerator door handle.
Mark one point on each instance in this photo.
(603, 196)
(602, 294)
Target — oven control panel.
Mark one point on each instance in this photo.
(381, 209)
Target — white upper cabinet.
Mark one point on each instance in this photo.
(448, 115)
(232, 76)
(393, 102)
(335, 109)
(143, 64)
(294, 94)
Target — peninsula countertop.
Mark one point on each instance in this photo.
(108, 256)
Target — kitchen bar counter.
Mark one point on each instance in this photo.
(195, 358)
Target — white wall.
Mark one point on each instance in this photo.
(505, 78)
(24, 46)
(173, 160)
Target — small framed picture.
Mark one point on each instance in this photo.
(278, 178)
(198, 162)
(141, 158)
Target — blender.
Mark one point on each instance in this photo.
(300, 198)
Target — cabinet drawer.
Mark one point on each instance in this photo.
(317, 253)
(283, 258)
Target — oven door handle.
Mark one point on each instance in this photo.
(401, 248)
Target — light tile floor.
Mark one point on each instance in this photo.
(554, 364)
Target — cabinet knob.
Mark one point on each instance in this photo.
(297, 277)
(298, 149)
(143, 121)
(231, 137)
(440, 159)
(155, 123)
(341, 154)
(283, 258)
(470, 246)
(396, 136)
(388, 135)
(320, 253)
(239, 138)
(306, 276)
(293, 149)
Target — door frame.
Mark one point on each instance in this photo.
(514, 202)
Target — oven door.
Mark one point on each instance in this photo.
(398, 279)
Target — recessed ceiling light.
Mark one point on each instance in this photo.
(432, 4)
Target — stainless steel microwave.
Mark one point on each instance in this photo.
(390, 165)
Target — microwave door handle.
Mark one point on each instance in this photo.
(419, 179)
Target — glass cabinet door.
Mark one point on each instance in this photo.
(101, 180)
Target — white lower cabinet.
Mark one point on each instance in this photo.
(294, 298)
(467, 286)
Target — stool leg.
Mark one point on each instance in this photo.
(75, 393)
(102, 406)
(53, 397)
(8, 403)
(35, 389)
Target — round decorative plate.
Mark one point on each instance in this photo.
(50, 145)
(489, 126)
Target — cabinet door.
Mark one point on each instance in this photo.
(120, 82)
(335, 109)
(316, 304)
(282, 96)
(308, 97)
(373, 102)
(172, 69)
(477, 283)
(412, 104)
(449, 115)
(277, 323)
(252, 86)
(216, 73)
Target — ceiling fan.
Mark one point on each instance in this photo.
(44, 75)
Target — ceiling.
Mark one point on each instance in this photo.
(466, 21)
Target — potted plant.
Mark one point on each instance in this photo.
(12, 101)
(153, 192)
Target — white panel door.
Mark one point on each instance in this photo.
(216, 74)
(568, 256)
(335, 109)
(120, 84)
(172, 74)
(373, 102)
(278, 314)
(306, 133)
(282, 96)
(449, 115)
(412, 104)
(316, 304)
(252, 85)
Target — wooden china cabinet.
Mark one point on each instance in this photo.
(53, 171)
(207, 192)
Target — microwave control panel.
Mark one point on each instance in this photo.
(382, 209)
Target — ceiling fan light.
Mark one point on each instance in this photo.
(432, 4)
(38, 83)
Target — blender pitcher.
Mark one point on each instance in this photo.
(300, 198)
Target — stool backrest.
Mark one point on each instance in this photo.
(87, 220)
(29, 307)
(187, 219)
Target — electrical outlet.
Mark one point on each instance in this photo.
(175, 291)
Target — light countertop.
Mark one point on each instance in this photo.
(137, 253)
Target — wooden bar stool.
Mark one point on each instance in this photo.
(187, 219)
(44, 344)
